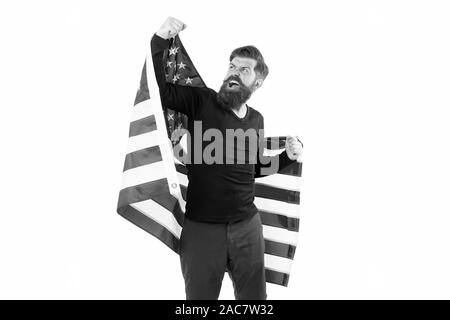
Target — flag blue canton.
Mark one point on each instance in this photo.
(179, 70)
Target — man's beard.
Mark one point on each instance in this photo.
(233, 99)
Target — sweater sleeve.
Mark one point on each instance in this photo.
(183, 99)
(268, 165)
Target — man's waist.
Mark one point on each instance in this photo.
(218, 214)
(218, 171)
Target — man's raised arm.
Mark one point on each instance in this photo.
(179, 98)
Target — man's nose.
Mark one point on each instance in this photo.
(235, 73)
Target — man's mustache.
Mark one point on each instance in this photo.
(235, 78)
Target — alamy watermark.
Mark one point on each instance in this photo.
(240, 147)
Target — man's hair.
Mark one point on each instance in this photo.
(252, 52)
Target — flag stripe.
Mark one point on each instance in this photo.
(286, 209)
(294, 169)
(142, 157)
(160, 215)
(148, 224)
(141, 192)
(143, 125)
(279, 249)
(275, 143)
(278, 220)
(143, 141)
(142, 110)
(143, 91)
(183, 179)
(157, 191)
(276, 263)
(274, 193)
(276, 277)
(139, 175)
(280, 235)
(181, 168)
(281, 181)
(168, 201)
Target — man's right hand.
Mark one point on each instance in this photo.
(170, 28)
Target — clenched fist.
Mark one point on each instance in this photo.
(170, 28)
(294, 148)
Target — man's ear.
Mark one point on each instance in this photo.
(258, 83)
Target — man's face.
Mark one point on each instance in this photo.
(244, 69)
(239, 83)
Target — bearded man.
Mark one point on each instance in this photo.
(222, 229)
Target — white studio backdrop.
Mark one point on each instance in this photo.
(365, 84)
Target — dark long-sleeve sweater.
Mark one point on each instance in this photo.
(217, 192)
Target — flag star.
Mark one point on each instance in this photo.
(169, 64)
(175, 78)
(182, 65)
(173, 50)
(188, 80)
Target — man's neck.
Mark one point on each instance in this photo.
(240, 111)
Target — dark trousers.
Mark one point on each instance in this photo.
(209, 249)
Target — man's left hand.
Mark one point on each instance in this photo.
(294, 148)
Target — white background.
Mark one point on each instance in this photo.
(364, 83)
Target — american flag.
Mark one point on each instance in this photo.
(154, 180)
